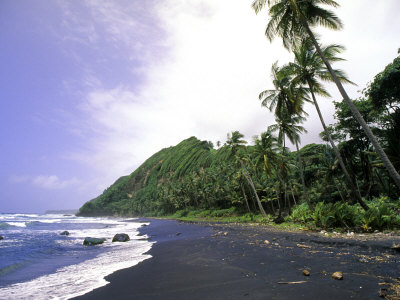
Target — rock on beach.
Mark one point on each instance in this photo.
(121, 237)
(337, 276)
(89, 241)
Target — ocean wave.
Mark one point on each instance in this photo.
(79, 279)
(5, 225)
(33, 223)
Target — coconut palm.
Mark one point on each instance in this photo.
(235, 142)
(292, 20)
(287, 126)
(285, 96)
(266, 152)
(308, 68)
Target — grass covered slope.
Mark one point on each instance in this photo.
(139, 192)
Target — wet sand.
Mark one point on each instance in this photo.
(214, 261)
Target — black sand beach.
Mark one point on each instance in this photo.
(235, 262)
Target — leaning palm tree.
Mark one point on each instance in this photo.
(308, 68)
(235, 142)
(288, 126)
(292, 20)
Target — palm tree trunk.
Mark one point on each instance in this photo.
(336, 150)
(245, 197)
(388, 164)
(250, 181)
(303, 183)
(294, 198)
(337, 187)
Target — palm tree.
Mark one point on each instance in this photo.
(285, 96)
(287, 101)
(292, 21)
(287, 126)
(266, 156)
(308, 68)
(266, 152)
(235, 142)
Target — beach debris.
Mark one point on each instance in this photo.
(383, 293)
(395, 247)
(266, 242)
(219, 233)
(64, 233)
(303, 246)
(89, 241)
(350, 234)
(337, 276)
(291, 282)
(306, 273)
(121, 237)
(178, 233)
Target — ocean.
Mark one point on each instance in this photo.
(36, 262)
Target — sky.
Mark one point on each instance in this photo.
(90, 89)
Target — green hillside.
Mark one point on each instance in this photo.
(145, 190)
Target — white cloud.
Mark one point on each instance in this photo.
(52, 182)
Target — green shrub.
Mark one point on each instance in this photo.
(301, 214)
(347, 215)
(324, 215)
(180, 213)
(380, 215)
(223, 212)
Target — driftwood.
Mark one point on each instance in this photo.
(291, 282)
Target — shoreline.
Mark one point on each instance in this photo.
(225, 261)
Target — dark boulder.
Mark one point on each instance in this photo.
(121, 237)
(64, 233)
(1, 237)
(89, 241)
(279, 220)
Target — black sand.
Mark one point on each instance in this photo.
(201, 262)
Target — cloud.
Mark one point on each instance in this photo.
(49, 182)
(52, 182)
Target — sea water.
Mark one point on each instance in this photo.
(36, 262)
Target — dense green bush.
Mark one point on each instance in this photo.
(301, 214)
(380, 215)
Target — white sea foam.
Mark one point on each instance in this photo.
(74, 280)
(17, 224)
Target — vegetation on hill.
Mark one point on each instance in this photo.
(352, 181)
